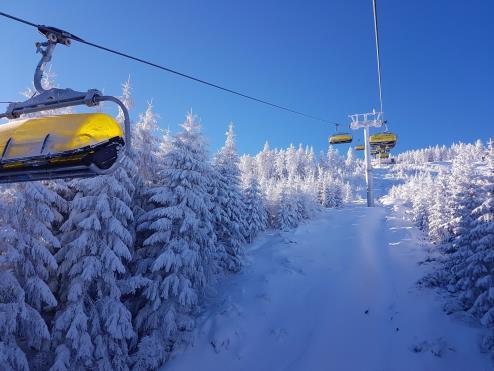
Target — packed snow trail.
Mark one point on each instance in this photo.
(338, 293)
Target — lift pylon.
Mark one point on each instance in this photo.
(365, 121)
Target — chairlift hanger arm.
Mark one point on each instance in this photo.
(59, 98)
(57, 35)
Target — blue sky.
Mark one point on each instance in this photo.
(313, 56)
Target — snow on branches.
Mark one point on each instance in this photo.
(454, 205)
(109, 272)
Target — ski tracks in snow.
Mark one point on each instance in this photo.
(338, 293)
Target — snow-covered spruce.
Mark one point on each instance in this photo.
(179, 254)
(456, 209)
(256, 216)
(146, 146)
(228, 204)
(30, 216)
(330, 191)
(26, 262)
(482, 257)
(439, 214)
(92, 325)
(287, 216)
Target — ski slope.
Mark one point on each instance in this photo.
(338, 293)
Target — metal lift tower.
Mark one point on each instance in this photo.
(367, 120)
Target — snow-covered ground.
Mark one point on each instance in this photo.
(338, 293)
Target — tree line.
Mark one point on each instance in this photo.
(454, 205)
(108, 273)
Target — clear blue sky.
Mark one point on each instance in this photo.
(314, 56)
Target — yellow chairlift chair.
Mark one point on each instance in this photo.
(384, 138)
(340, 138)
(60, 146)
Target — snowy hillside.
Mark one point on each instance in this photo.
(342, 292)
(110, 272)
(336, 294)
(182, 259)
(296, 238)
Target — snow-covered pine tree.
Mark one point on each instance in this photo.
(323, 162)
(330, 191)
(300, 161)
(350, 161)
(438, 216)
(92, 325)
(347, 192)
(179, 254)
(146, 145)
(228, 205)
(461, 268)
(298, 198)
(35, 240)
(333, 159)
(256, 216)
(19, 323)
(310, 162)
(126, 99)
(310, 195)
(323, 189)
(463, 198)
(337, 194)
(286, 214)
(271, 190)
(29, 239)
(26, 262)
(280, 165)
(265, 164)
(248, 167)
(421, 202)
(291, 162)
(147, 148)
(478, 150)
(477, 276)
(165, 145)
